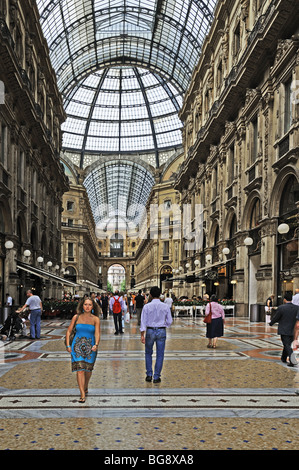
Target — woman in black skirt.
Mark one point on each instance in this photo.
(215, 328)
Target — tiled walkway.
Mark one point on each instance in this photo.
(239, 396)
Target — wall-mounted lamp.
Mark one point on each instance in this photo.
(283, 228)
(8, 245)
(27, 253)
(248, 241)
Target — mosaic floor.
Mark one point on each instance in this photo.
(239, 396)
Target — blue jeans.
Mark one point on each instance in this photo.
(158, 336)
(35, 317)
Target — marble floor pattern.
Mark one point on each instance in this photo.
(239, 396)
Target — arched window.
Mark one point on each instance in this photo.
(288, 214)
(72, 274)
(255, 215)
(216, 236)
(289, 197)
(233, 227)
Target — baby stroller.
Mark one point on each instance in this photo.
(13, 325)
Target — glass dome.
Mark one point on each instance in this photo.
(122, 110)
(118, 191)
(122, 67)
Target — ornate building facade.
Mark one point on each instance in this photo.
(32, 179)
(158, 254)
(241, 119)
(79, 252)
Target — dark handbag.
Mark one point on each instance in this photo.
(208, 317)
(72, 334)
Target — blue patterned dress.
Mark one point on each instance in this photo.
(83, 358)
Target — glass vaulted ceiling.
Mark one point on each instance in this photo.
(122, 110)
(123, 67)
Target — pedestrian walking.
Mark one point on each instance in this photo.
(139, 299)
(268, 307)
(286, 317)
(117, 305)
(85, 344)
(35, 306)
(104, 304)
(155, 318)
(295, 299)
(215, 328)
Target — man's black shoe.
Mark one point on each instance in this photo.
(148, 378)
(156, 381)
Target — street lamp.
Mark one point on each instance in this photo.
(283, 228)
(8, 245)
(209, 258)
(248, 241)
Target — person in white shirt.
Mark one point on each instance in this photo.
(295, 299)
(155, 318)
(168, 301)
(35, 306)
(8, 300)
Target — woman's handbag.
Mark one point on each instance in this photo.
(208, 317)
(72, 334)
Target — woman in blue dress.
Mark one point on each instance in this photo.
(85, 343)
